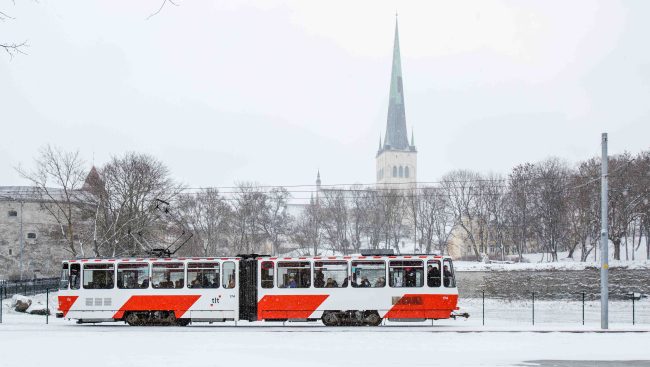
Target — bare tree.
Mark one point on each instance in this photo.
(335, 220)
(276, 220)
(357, 216)
(207, 214)
(249, 205)
(128, 221)
(394, 213)
(436, 221)
(463, 191)
(551, 205)
(375, 219)
(494, 198)
(307, 229)
(520, 186)
(58, 177)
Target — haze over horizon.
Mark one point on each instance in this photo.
(273, 91)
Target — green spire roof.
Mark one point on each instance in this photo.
(396, 134)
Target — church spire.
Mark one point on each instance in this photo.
(412, 138)
(396, 134)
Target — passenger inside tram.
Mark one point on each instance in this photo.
(319, 279)
(433, 274)
(364, 282)
(331, 283)
(448, 276)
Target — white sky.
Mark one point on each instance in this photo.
(271, 91)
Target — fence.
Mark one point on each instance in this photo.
(583, 308)
(27, 287)
(485, 308)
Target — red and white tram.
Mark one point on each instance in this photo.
(343, 290)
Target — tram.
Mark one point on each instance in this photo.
(338, 290)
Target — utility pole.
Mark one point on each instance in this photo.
(604, 253)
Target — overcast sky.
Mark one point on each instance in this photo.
(225, 91)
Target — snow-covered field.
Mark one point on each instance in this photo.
(507, 339)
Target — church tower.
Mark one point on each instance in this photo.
(396, 160)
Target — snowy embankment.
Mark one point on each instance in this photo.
(559, 265)
(538, 261)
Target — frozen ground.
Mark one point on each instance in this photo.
(508, 339)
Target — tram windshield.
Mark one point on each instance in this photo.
(65, 276)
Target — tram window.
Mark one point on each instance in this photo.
(75, 276)
(294, 274)
(331, 274)
(433, 273)
(406, 273)
(65, 276)
(133, 276)
(448, 272)
(267, 274)
(99, 276)
(229, 275)
(167, 275)
(367, 274)
(203, 275)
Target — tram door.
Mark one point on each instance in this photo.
(248, 289)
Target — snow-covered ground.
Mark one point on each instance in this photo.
(539, 261)
(507, 339)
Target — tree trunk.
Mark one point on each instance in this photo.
(617, 248)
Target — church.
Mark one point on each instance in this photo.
(396, 159)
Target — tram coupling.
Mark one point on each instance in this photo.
(454, 315)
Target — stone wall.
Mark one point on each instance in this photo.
(41, 254)
(551, 284)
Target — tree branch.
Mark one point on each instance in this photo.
(162, 5)
(14, 48)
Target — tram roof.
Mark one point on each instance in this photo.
(273, 258)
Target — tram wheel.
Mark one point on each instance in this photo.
(132, 319)
(331, 319)
(373, 319)
(182, 322)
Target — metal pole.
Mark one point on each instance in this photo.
(21, 240)
(1, 299)
(483, 307)
(604, 253)
(633, 309)
(583, 308)
(533, 308)
(47, 306)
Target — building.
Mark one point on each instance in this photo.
(396, 159)
(28, 231)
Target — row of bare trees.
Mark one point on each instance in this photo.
(113, 210)
(131, 205)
